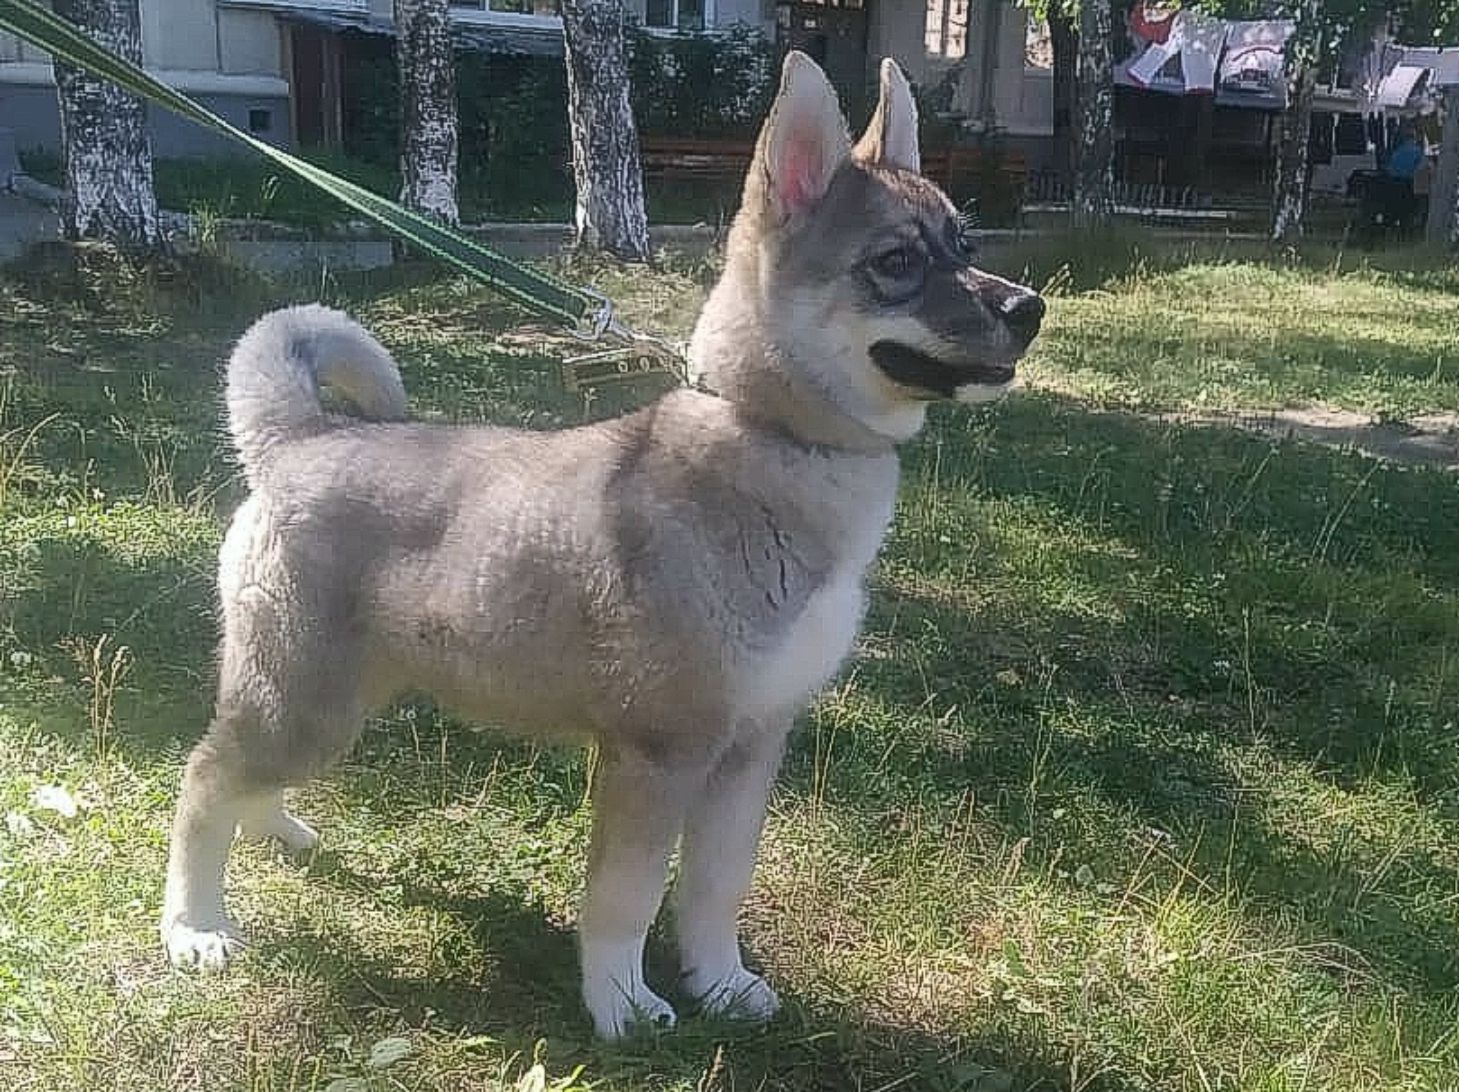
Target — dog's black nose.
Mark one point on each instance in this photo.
(1024, 313)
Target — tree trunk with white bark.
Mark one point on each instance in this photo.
(108, 154)
(1442, 228)
(1289, 196)
(428, 115)
(1094, 159)
(610, 212)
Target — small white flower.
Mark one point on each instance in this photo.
(20, 659)
(57, 799)
(19, 825)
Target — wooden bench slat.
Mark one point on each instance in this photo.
(728, 160)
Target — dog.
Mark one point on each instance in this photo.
(675, 584)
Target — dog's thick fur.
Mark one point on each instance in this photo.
(675, 584)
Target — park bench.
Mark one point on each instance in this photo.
(958, 168)
(685, 158)
(722, 159)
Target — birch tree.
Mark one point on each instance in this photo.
(1094, 171)
(609, 213)
(1289, 196)
(428, 114)
(104, 141)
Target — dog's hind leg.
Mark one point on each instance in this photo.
(269, 820)
(638, 806)
(721, 836)
(196, 930)
(234, 780)
(285, 711)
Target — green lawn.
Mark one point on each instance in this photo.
(1145, 776)
(1218, 335)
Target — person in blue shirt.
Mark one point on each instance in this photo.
(1393, 203)
(1406, 157)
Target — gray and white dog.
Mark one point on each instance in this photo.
(675, 584)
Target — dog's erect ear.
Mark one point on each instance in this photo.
(891, 137)
(804, 139)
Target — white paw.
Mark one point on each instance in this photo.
(616, 1011)
(293, 834)
(206, 947)
(739, 995)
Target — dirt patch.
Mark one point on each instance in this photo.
(1430, 440)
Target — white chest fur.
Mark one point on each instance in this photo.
(816, 642)
(812, 649)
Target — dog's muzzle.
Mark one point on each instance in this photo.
(1023, 314)
(934, 377)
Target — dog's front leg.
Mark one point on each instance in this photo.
(638, 811)
(721, 837)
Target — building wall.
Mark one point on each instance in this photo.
(29, 111)
(230, 59)
(14, 51)
(755, 13)
(896, 29)
(1022, 100)
(180, 35)
(1033, 115)
(1023, 97)
(249, 43)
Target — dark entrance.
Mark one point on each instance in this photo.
(314, 72)
(833, 34)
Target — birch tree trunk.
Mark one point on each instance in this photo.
(1289, 196)
(428, 116)
(1065, 42)
(605, 162)
(1094, 160)
(104, 141)
(1442, 228)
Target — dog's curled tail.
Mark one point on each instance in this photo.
(279, 366)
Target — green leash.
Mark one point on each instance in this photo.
(588, 315)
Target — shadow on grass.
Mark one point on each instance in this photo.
(525, 988)
(1181, 625)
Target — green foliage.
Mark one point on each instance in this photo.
(702, 85)
(513, 151)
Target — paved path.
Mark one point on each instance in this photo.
(1430, 440)
(23, 222)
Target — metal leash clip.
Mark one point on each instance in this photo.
(638, 356)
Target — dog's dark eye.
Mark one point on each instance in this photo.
(960, 237)
(897, 264)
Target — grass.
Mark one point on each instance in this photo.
(1220, 333)
(1145, 775)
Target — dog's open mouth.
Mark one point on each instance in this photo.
(934, 376)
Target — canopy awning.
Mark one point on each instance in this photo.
(478, 37)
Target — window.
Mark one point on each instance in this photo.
(508, 7)
(260, 121)
(674, 14)
(946, 29)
